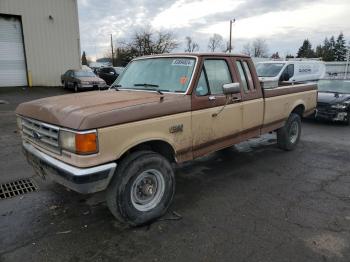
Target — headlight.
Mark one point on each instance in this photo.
(80, 143)
(339, 106)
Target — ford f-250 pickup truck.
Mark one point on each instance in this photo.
(162, 109)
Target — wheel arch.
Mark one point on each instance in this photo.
(298, 108)
(160, 146)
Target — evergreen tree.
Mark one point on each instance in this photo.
(319, 51)
(83, 59)
(340, 48)
(328, 49)
(305, 51)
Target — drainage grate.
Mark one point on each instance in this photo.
(16, 188)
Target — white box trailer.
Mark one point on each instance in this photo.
(271, 73)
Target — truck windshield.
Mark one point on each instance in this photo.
(334, 86)
(268, 69)
(164, 74)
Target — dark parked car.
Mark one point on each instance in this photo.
(110, 74)
(333, 100)
(82, 80)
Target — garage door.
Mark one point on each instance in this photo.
(12, 62)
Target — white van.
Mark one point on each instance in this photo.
(271, 73)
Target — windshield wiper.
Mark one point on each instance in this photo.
(146, 85)
(151, 85)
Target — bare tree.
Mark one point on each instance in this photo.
(191, 46)
(247, 49)
(144, 42)
(259, 48)
(148, 42)
(216, 43)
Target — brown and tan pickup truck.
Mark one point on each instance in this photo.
(163, 109)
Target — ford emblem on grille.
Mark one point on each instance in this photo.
(36, 135)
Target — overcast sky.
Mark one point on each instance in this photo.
(284, 24)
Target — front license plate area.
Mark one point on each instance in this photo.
(37, 165)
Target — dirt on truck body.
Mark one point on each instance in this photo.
(162, 109)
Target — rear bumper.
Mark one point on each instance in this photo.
(81, 180)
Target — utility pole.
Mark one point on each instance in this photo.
(230, 45)
(112, 50)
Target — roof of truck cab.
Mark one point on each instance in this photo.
(194, 55)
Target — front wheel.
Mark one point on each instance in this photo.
(288, 136)
(76, 88)
(142, 188)
(347, 121)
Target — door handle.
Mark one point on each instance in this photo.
(212, 98)
(235, 99)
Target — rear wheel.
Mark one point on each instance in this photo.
(288, 136)
(142, 188)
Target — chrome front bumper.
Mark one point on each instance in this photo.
(81, 180)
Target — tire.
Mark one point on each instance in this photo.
(65, 86)
(142, 188)
(288, 136)
(76, 88)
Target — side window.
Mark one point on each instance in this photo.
(248, 75)
(202, 86)
(290, 69)
(242, 75)
(218, 74)
(287, 73)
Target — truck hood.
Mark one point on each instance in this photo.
(332, 98)
(98, 109)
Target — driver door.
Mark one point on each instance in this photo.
(214, 124)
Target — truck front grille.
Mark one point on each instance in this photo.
(42, 134)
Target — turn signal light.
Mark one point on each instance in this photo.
(86, 143)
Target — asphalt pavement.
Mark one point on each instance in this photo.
(251, 202)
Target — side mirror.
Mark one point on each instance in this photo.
(232, 88)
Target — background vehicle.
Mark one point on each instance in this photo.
(164, 109)
(333, 101)
(271, 73)
(110, 74)
(82, 80)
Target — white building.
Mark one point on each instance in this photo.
(39, 40)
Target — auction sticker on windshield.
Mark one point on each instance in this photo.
(182, 62)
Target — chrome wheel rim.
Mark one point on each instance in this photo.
(147, 190)
(294, 132)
